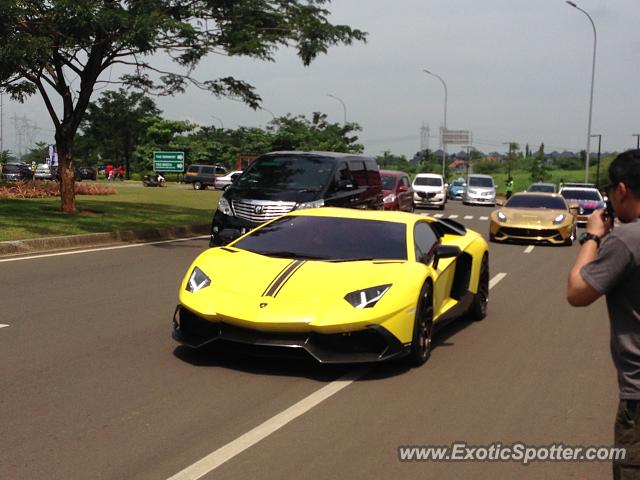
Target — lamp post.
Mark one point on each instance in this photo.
(444, 148)
(344, 107)
(637, 135)
(593, 72)
(599, 135)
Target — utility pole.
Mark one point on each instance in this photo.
(637, 135)
(509, 158)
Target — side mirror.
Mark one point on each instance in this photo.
(445, 251)
(402, 188)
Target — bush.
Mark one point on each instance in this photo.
(45, 189)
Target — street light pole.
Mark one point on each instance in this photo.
(444, 147)
(637, 135)
(593, 73)
(599, 135)
(344, 107)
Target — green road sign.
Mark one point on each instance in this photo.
(168, 161)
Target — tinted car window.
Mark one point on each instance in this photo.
(405, 181)
(457, 184)
(480, 182)
(425, 239)
(11, 168)
(193, 169)
(428, 181)
(359, 172)
(207, 170)
(388, 182)
(328, 238)
(288, 172)
(220, 171)
(536, 201)
(579, 194)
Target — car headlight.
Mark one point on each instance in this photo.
(501, 217)
(197, 281)
(224, 207)
(389, 198)
(367, 297)
(559, 219)
(306, 205)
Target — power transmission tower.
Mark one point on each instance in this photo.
(425, 131)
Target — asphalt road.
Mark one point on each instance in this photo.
(93, 387)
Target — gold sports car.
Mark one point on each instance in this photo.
(335, 285)
(534, 218)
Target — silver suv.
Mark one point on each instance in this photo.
(480, 190)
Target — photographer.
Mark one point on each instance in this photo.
(609, 264)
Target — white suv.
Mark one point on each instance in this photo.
(429, 191)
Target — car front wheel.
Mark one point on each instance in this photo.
(423, 327)
(197, 185)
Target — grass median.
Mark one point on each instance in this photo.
(132, 208)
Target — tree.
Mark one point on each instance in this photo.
(300, 133)
(37, 154)
(115, 124)
(64, 49)
(538, 167)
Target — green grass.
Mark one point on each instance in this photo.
(522, 179)
(132, 208)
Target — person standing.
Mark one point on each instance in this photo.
(609, 264)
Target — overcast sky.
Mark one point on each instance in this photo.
(515, 70)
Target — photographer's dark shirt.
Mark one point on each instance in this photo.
(616, 274)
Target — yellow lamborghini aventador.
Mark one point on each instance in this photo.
(534, 217)
(337, 285)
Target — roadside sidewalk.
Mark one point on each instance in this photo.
(46, 244)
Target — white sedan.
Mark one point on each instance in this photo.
(223, 182)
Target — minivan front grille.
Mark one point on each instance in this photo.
(260, 210)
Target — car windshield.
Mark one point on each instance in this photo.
(288, 172)
(428, 181)
(388, 182)
(542, 187)
(581, 194)
(328, 238)
(481, 182)
(536, 201)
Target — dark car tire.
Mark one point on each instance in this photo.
(421, 343)
(197, 185)
(478, 309)
(441, 207)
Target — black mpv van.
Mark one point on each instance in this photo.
(278, 182)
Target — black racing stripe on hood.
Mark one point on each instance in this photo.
(282, 278)
(288, 277)
(287, 266)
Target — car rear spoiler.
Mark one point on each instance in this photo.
(451, 226)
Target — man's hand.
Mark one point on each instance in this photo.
(598, 224)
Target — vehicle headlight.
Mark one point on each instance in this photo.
(224, 207)
(389, 198)
(306, 205)
(501, 217)
(197, 281)
(559, 219)
(367, 297)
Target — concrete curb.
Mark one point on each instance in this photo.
(96, 239)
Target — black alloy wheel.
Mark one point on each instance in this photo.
(423, 327)
(481, 299)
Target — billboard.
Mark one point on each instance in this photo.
(456, 137)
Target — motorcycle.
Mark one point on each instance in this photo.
(153, 181)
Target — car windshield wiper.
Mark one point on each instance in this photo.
(357, 259)
(288, 254)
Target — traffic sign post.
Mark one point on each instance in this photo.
(168, 162)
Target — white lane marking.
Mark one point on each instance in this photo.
(453, 216)
(495, 280)
(240, 444)
(2, 325)
(438, 215)
(484, 218)
(468, 217)
(101, 249)
(529, 249)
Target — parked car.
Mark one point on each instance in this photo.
(16, 171)
(203, 176)
(429, 190)
(583, 199)
(480, 190)
(86, 173)
(456, 189)
(223, 182)
(43, 172)
(397, 190)
(542, 187)
(279, 182)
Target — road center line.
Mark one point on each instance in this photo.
(438, 215)
(529, 249)
(468, 217)
(101, 249)
(495, 280)
(239, 445)
(484, 218)
(453, 216)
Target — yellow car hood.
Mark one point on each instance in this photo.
(257, 291)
